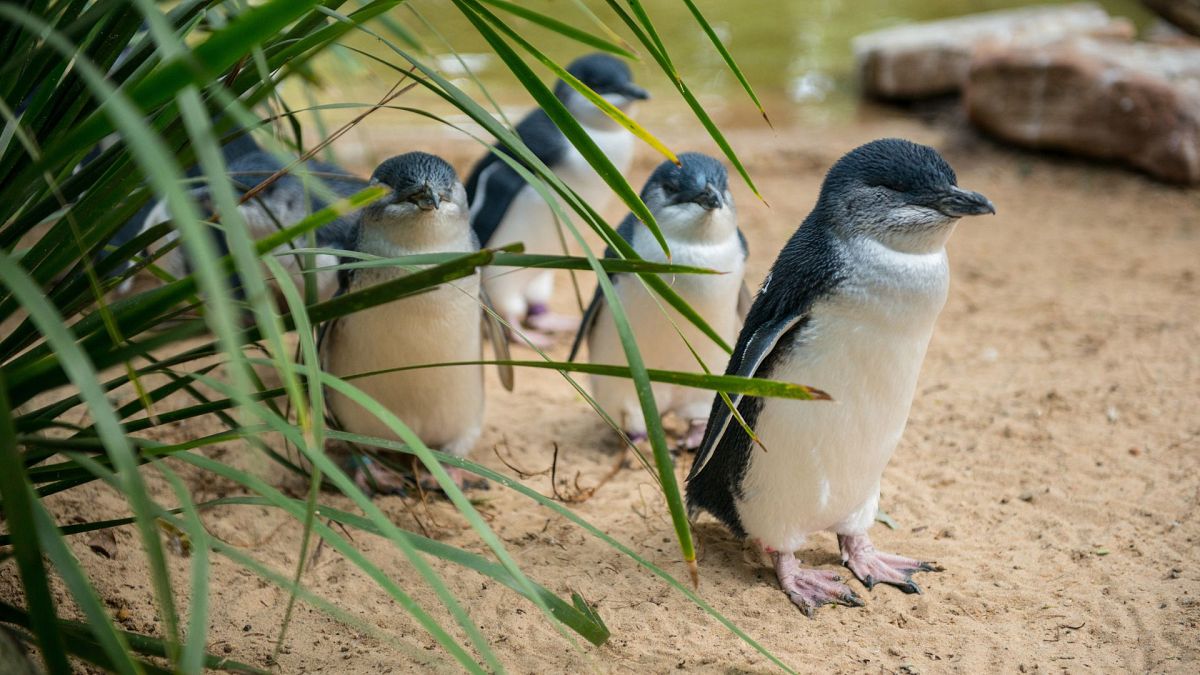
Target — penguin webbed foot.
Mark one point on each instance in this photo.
(810, 588)
(695, 435)
(876, 567)
(373, 478)
(540, 318)
(461, 480)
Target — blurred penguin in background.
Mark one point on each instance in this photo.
(506, 210)
(695, 211)
(281, 204)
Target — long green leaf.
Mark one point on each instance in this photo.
(18, 514)
(564, 29)
(507, 482)
(565, 122)
(654, 45)
(729, 62)
(79, 369)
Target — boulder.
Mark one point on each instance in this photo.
(1182, 13)
(930, 59)
(1134, 102)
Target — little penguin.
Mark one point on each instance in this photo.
(695, 211)
(506, 210)
(425, 212)
(848, 307)
(285, 202)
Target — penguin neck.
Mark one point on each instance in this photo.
(592, 118)
(692, 225)
(425, 232)
(692, 238)
(927, 240)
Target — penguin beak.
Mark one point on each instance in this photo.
(708, 198)
(425, 198)
(957, 202)
(633, 91)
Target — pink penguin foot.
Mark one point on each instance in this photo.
(695, 434)
(460, 479)
(810, 588)
(540, 318)
(525, 336)
(374, 478)
(875, 567)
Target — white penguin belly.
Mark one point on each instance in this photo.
(823, 460)
(443, 406)
(714, 297)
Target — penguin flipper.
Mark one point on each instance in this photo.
(625, 230)
(498, 335)
(745, 362)
(745, 301)
(493, 184)
(587, 323)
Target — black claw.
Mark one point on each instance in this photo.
(852, 600)
(869, 582)
(910, 587)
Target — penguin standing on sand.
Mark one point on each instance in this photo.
(695, 211)
(505, 209)
(426, 212)
(848, 307)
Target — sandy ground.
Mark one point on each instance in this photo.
(1050, 464)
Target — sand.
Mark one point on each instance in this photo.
(1050, 465)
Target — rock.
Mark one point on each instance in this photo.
(1182, 13)
(930, 59)
(1134, 102)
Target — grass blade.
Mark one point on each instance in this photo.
(561, 28)
(729, 62)
(18, 514)
(565, 122)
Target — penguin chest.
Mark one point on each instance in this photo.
(440, 405)
(823, 460)
(714, 297)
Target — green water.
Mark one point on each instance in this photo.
(795, 53)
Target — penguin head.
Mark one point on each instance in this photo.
(689, 195)
(606, 75)
(898, 192)
(421, 184)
